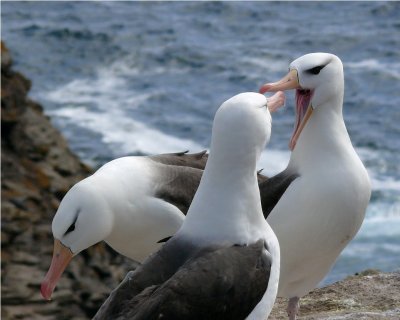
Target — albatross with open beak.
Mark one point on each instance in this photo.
(323, 208)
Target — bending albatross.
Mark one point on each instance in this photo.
(223, 263)
(131, 203)
(321, 210)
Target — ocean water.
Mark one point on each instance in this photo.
(121, 78)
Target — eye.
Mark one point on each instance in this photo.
(315, 70)
(70, 229)
(72, 226)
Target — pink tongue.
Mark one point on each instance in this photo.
(302, 102)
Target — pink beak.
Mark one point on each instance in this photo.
(276, 101)
(290, 81)
(61, 258)
(303, 112)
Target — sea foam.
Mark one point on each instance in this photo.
(392, 69)
(102, 104)
(124, 133)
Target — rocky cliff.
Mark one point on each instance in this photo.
(37, 170)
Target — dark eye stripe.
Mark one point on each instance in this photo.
(72, 226)
(315, 70)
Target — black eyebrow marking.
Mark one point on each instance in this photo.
(72, 226)
(164, 240)
(315, 70)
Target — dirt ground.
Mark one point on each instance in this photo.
(369, 295)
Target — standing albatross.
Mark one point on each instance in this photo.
(223, 263)
(323, 208)
(131, 203)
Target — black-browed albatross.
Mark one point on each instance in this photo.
(223, 263)
(321, 210)
(132, 203)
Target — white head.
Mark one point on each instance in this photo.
(82, 220)
(320, 73)
(227, 207)
(241, 128)
(83, 217)
(318, 80)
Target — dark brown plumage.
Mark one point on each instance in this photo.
(184, 175)
(185, 282)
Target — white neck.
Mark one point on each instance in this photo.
(226, 207)
(325, 131)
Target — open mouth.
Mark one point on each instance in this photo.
(303, 100)
(304, 108)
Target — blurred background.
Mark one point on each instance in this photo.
(123, 78)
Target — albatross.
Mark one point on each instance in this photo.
(137, 200)
(323, 208)
(223, 263)
(132, 203)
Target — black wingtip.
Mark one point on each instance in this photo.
(181, 153)
(200, 154)
(164, 239)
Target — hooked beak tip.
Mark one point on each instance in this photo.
(46, 291)
(264, 88)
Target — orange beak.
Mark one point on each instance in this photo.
(290, 81)
(304, 108)
(61, 258)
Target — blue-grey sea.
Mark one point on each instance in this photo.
(139, 78)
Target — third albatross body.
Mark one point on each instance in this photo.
(323, 208)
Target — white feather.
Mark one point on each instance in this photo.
(227, 208)
(323, 209)
(116, 204)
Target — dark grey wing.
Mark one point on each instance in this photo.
(185, 159)
(272, 189)
(260, 177)
(157, 269)
(177, 185)
(192, 160)
(220, 283)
